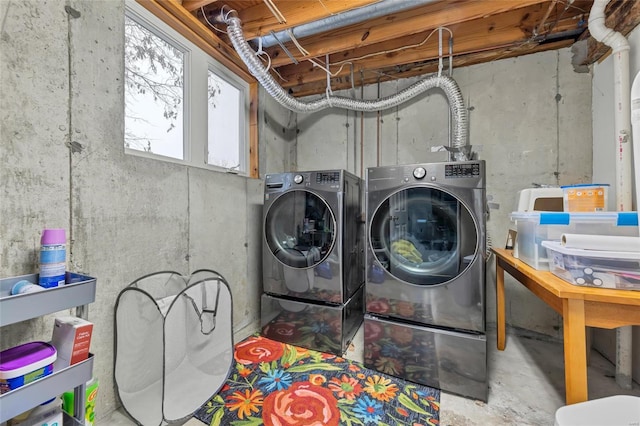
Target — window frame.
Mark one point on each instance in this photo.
(197, 64)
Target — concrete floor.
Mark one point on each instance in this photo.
(526, 384)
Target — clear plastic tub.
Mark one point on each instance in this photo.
(594, 268)
(535, 227)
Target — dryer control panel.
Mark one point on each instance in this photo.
(462, 170)
(328, 177)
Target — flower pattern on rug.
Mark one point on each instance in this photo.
(275, 383)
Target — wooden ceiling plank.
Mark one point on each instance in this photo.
(191, 5)
(400, 24)
(465, 45)
(171, 12)
(624, 18)
(428, 68)
(471, 36)
(475, 36)
(258, 20)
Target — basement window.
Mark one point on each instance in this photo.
(153, 93)
(181, 105)
(225, 112)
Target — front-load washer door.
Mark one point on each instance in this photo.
(422, 236)
(300, 235)
(424, 261)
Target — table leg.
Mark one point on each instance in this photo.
(500, 314)
(575, 351)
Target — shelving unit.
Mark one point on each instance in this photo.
(79, 292)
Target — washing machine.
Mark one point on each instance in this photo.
(313, 259)
(425, 275)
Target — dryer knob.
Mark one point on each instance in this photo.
(419, 173)
(298, 179)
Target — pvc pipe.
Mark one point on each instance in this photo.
(635, 128)
(622, 122)
(622, 117)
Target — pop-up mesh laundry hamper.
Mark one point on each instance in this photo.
(173, 344)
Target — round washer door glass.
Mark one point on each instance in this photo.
(300, 229)
(423, 236)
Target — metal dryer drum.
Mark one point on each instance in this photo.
(313, 259)
(425, 275)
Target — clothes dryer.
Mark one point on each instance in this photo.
(425, 274)
(313, 259)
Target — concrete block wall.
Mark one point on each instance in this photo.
(62, 164)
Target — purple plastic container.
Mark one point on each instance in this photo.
(24, 364)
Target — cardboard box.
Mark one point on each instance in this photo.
(72, 339)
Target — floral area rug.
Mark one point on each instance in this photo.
(275, 383)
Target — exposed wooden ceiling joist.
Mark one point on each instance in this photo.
(394, 45)
(396, 26)
(484, 34)
(258, 20)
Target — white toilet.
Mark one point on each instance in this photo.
(618, 410)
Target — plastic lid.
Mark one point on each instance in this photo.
(612, 410)
(20, 360)
(53, 236)
(580, 185)
(565, 218)
(599, 254)
(627, 219)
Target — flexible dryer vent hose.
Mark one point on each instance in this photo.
(446, 83)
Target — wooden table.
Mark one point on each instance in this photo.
(579, 306)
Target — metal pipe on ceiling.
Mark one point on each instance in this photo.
(350, 17)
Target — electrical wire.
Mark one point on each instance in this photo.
(326, 8)
(384, 52)
(302, 50)
(204, 15)
(269, 65)
(275, 11)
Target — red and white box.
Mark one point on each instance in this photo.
(72, 339)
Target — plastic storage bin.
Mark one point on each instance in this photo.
(535, 227)
(612, 410)
(24, 364)
(585, 197)
(594, 268)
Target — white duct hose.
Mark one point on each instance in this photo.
(620, 49)
(446, 83)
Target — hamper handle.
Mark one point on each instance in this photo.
(201, 314)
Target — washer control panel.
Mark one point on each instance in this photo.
(327, 177)
(463, 170)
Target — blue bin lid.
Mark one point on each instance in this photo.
(564, 218)
(579, 185)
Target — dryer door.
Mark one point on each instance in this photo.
(300, 229)
(423, 236)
